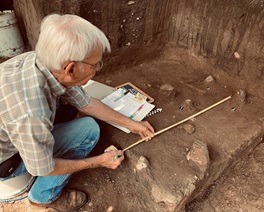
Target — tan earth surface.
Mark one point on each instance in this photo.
(170, 178)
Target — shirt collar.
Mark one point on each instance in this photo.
(56, 88)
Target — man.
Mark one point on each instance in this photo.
(33, 85)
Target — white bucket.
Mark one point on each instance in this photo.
(11, 43)
(13, 187)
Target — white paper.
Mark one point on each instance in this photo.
(126, 104)
(122, 103)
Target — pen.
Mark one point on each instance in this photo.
(120, 97)
(135, 113)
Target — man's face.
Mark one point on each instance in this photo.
(86, 69)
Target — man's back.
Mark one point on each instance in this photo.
(23, 96)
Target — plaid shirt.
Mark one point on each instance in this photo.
(29, 94)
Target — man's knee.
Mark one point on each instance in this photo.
(91, 127)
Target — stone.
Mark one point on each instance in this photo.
(131, 2)
(142, 163)
(189, 128)
(160, 195)
(199, 155)
(237, 55)
(209, 79)
(186, 104)
(242, 95)
(110, 209)
(168, 92)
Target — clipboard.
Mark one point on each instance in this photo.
(104, 92)
(134, 90)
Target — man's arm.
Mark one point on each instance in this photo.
(110, 160)
(100, 111)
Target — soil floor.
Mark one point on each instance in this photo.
(171, 80)
(240, 190)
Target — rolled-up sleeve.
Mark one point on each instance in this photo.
(77, 97)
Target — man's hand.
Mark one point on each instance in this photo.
(144, 129)
(112, 159)
(99, 110)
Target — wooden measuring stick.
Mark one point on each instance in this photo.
(178, 123)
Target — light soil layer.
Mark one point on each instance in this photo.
(230, 131)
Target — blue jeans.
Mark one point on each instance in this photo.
(73, 140)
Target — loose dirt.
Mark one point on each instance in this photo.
(126, 189)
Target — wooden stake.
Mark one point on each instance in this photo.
(180, 122)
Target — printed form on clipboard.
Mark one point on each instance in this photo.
(134, 106)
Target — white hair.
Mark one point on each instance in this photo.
(67, 38)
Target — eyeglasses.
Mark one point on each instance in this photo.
(97, 67)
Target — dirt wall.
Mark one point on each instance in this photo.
(229, 33)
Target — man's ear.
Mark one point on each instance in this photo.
(69, 69)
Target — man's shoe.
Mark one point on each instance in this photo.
(69, 200)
